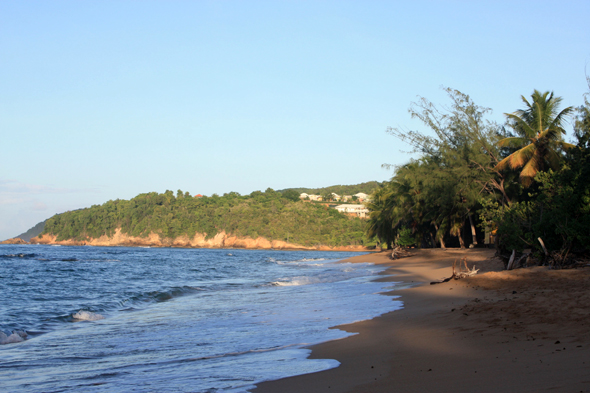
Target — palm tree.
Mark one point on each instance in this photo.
(540, 129)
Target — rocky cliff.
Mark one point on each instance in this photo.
(14, 240)
(221, 240)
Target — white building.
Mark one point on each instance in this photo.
(311, 197)
(359, 210)
(361, 196)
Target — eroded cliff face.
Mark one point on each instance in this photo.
(221, 240)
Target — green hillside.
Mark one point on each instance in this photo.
(34, 231)
(267, 214)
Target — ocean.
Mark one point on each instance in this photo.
(120, 319)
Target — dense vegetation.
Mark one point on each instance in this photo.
(267, 214)
(520, 181)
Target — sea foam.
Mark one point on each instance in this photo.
(16, 337)
(87, 316)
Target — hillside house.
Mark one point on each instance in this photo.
(361, 197)
(356, 210)
(311, 197)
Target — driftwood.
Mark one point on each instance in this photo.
(543, 245)
(511, 261)
(399, 252)
(518, 263)
(460, 273)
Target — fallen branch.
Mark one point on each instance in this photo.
(462, 273)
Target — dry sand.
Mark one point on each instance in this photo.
(524, 330)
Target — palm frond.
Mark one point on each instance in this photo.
(520, 157)
(528, 172)
(550, 135)
(514, 142)
(521, 125)
(503, 165)
(565, 145)
(553, 159)
(562, 118)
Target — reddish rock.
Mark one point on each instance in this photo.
(14, 240)
(221, 240)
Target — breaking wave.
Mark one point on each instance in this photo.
(83, 315)
(296, 281)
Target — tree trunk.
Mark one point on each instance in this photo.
(461, 241)
(432, 241)
(473, 236)
(442, 242)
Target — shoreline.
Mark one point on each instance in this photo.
(221, 240)
(355, 249)
(523, 330)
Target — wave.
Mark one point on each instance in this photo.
(300, 262)
(83, 315)
(17, 336)
(296, 281)
(161, 296)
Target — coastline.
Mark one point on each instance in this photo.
(220, 240)
(523, 330)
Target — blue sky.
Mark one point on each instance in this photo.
(108, 99)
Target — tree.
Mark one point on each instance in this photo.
(539, 129)
(557, 209)
(327, 196)
(405, 238)
(440, 191)
(291, 195)
(380, 223)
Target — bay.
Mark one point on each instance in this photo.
(178, 320)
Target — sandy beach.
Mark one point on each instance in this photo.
(525, 330)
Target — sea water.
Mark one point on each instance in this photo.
(94, 319)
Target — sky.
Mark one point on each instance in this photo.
(109, 99)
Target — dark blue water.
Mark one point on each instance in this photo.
(186, 320)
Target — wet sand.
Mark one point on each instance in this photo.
(526, 330)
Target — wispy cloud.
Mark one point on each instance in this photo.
(13, 192)
(16, 187)
(39, 206)
(6, 200)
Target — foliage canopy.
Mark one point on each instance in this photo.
(522, 184)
